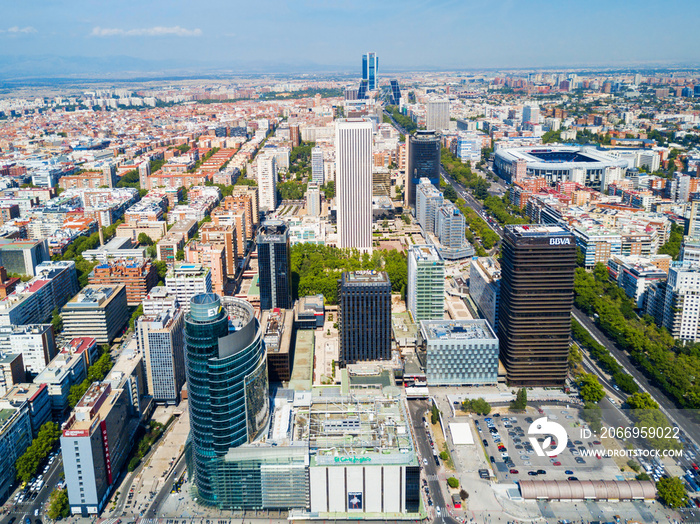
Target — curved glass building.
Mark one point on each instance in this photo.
(227, 383)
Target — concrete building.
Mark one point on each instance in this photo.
(437, 115)
(278, 326)
(95, 444)
(353, 143)
(138, 275)
(429, 200)
(309, 312)
(98, 311)
(159, 299)
(184, 281)
(160, 340)
(15, 438)
(425, 295)
(35, 342)
(36, 397)
(213, 257)
(313, 200)
(22, 256)
(674, 304)
(458, 352)
(635, 274)
(485, 287)
(267, 182)
(450, 226)
(118, 247)
(317, 166)
(227, 236)
(62, 373)
(11, 371)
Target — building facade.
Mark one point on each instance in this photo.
(485, 287)
(98, 311)
(267, 182)
(437, 115)
(184, 281)
(274, 265)
(425, 295)
(423, 161)
(537, 293)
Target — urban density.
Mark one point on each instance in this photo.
(377, 294)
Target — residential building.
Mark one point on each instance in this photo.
(175, 240)
(184, 281)
(98, 311)
(429, 200)
(274, 265)
(485, 287)
(267, 182)
(213, 257)
(36, 397)
(158, 300)
(353, 143)
(537, 293)
(469, 148)
(317, 166)
(425, 295)
(227, 384)
(62, 373)
(674, 304)
(15, 438)
(458, 352)
(11, 371)
(227, 236)
(450, 227)
(423, 162)
(364, 316)
(138, 275)
(313, 200)
(160, 339)
(35, 342)
(634, 274)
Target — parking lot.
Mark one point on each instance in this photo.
(507, 443)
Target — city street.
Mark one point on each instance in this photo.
(28, 508)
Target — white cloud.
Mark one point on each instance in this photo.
(148, 31)
(17, 30)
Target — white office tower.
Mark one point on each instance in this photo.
(267, 181)
(353, 144)
(317, 165)
(313, 200)
(531, 114)
(437, 115)
(426, 283)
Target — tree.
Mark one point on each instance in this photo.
(58, 505)
(56, 321)
(589, 388)
(642, 476)
(434, 415)
(329, 189)
(463, 494)
(28, 463)
(478, 406)
(450, 194)
(641, 401)
(453, 482)
(520, 402)
(180, 255)
(625, 382)
(144, 240)
(593, 415)
(135, 315)
(672, 492)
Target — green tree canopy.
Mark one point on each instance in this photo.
(589, 388)
(672, 492)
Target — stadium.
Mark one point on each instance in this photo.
(585, 165)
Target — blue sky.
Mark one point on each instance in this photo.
(405, 34)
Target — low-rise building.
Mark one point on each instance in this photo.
(278, 325)
(98, 311)
(35, 342)
(309, 312)
(15, 438)
(62, 373)
(36, 396)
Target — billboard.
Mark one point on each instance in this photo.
(354, 500)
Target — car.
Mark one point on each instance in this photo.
(578, 442)
(486, 443)
(497, 415)
(437, 462)
(425, 462)
(493, 460)
(476, 422)
(572, 478)
(580, 460)
(532, 473)
(541, 472)
(596, 443)
(569, 472)
(557, 463)
(36, 512)
(528, 420)
(514, 471)
(504, 454)
(437, 511)
(518, 446)
(695, 466)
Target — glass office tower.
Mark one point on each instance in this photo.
(274, 266)
(227, 383)
(370, 70)
(423, 162)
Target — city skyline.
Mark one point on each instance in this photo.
(177, 38)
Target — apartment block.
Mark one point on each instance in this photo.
(138, 275)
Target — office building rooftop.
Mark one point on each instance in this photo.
(457, 329)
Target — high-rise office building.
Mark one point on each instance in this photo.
(274, 265)
(364, 316)
(537, 294)
(317, 165)
(485, 287)
(423, 162)
(98, 311)
(395, 92)
(370, 70)
(437, 115)
(429, 200)
(425, 295)
(531, 114)
(353, 143)
(227, 385)
(267, 181)
(160, 340)
(313, 200)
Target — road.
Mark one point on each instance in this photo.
(28, 507)
(154, 508)
(417, 409)
(688, 425)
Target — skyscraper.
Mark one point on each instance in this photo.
(267, 181)
(227, 385)
(364, 316)
(437, 115)
(274, 265)
(395, 92)
(370, 70)
(317, 165)
(353, 143)
(313, 200)
(423, 162)
(537, 294)
(531, 114)
(425, 295)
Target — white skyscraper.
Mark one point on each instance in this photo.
(437, 115)
(317, 165)
(313, 200)
(267, 181)
(531, 114)
(353, 144)
(425, 296)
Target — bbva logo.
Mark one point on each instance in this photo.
(559, 241)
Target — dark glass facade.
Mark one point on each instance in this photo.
(395, 92)
(227, 384)
(274, 266)
(423, 161)
(537, 294)
(412, 489)
(364, 316)
(370, 70)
